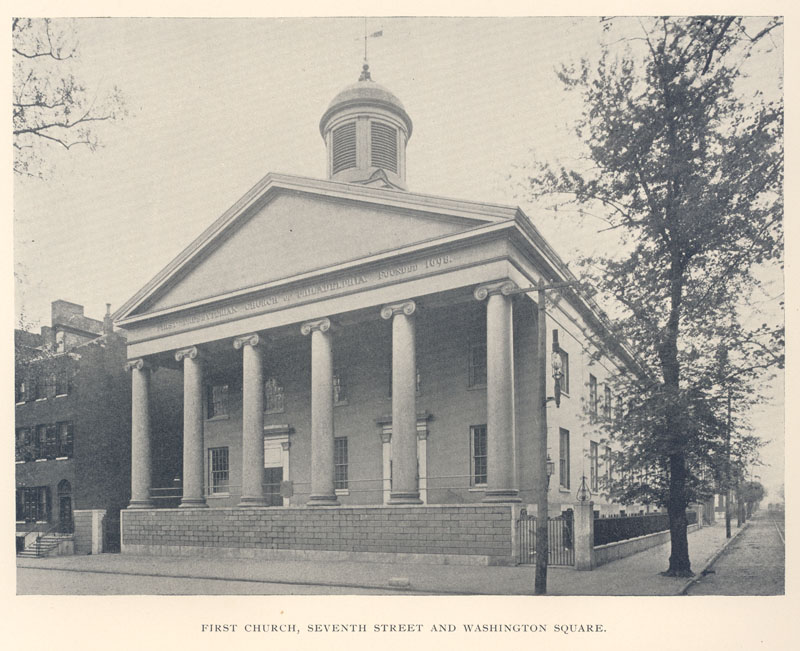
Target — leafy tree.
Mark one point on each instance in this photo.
(689, 174)
(51, 106)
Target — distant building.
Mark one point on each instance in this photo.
(72, 439)
(346, 343)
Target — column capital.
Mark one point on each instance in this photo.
(323, 325)
(285, 445)
(139, 364)
(386, 435)
(504, 287)
(191, 352)
(252, 339)
(406, 307)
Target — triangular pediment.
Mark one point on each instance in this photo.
(283, 232)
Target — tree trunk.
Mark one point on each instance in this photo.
(679, 564)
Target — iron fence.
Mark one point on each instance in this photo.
(614, 529)
(560, 539)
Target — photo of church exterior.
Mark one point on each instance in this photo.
(360, 368)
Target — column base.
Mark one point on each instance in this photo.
(502, 496)
(193, 503)
(140, 504)
(245, 502)
(322, 500)
(405, 498)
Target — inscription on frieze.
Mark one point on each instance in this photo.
(284, 298)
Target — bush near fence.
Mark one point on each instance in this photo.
(609, 530)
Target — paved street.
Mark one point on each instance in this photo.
(69, 582)
(753, 564)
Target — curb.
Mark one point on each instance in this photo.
(711, 561)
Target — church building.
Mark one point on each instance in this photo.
(360, 368)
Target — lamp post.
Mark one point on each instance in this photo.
(551, 468)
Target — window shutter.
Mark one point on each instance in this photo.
(344, 147)
(384, 147)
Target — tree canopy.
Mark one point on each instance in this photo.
(51, 107)
(687, 170)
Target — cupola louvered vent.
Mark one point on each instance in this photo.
(384, 147)
(344, 147)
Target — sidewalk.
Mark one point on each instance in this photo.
(635, 575)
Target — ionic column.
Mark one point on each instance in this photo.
(322, 484)
(193, 489)
(141, 473)
(252, 420)
(500, 485)
(405, 488)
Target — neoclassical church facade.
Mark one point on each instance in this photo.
(360, 366)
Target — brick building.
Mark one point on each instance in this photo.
(72, 443)
(359, 367)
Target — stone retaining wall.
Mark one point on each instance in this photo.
(445, 534)
(614, 551)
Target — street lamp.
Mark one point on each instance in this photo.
(557, 364)
(551, 468)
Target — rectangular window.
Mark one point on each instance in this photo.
(477, 364)
(607, 403)
(563, 457)
(478, 443)
(63, 379)
(33, 504)
(608, 463)
(340, 463)
(565, 370)
(20, 390)
(50, 384)
(40, 444)
(339, 388)
(618, 415)
(65, 438)
(23, 449)
(39, 386)
(594, 465)
(592, 398)
(217, 400)
(273, 396)
(218, 470)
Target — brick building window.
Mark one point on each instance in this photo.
(273, 396)
(477, 364)
(23, 445)
(65, 439)
(340, 463)
(63, 379)
(217, 400)
(33, 504)
(594, 465)
(563, 457)
(477, 435)
(218, 470)
(592, 398)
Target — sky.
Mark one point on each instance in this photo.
(215, 104)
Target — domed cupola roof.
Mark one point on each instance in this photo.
(366, 129)
(366, 92)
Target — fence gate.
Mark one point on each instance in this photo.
(560, 539)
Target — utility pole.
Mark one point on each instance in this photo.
(542, 542)
(728, 472)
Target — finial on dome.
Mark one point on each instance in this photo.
(365, 76)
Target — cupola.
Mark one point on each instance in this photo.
(366, 129)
